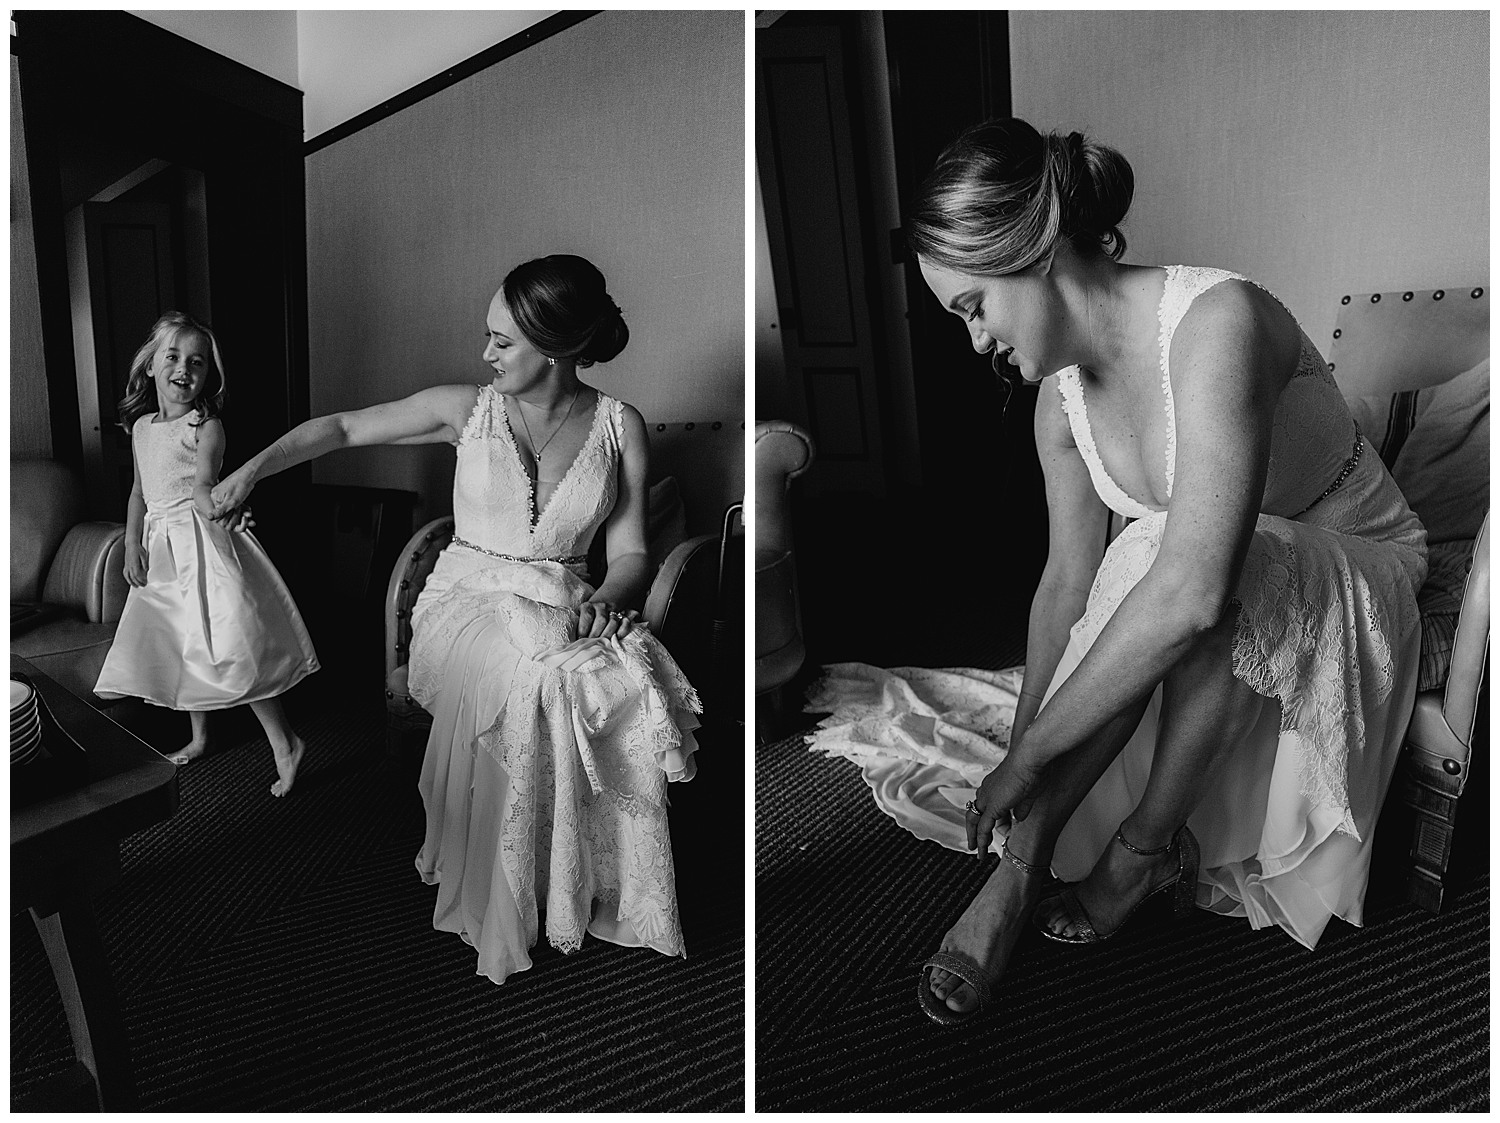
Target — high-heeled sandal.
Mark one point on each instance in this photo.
(957, 963)
(1183, 885)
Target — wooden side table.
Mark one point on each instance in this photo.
(95, 784)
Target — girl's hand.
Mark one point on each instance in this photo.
(135, 566)
(600, 619)
(1006, 795)
(231, 492)
(235, 519)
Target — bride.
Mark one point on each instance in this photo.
(557, 719)
(1210, 708)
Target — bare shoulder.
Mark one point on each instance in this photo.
(1051, 424)
(453, 395)
(209, 430)
(1239, 325)
(633, 424)
(451, 403)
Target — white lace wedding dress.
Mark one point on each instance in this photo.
(1328, 635)
(546, 769)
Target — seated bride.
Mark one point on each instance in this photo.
(557, 720)
(1210, 711)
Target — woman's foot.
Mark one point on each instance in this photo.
(1120, 880)
(987, 931)
(286, 766)
(189, 752)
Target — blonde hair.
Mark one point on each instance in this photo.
(140, 388)
(1003, 195)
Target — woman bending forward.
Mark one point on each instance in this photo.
(1211, 708)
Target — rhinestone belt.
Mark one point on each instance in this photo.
(572, 559)
(1349, 466)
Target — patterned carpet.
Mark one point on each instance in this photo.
(1197, 1014)
(279, 955)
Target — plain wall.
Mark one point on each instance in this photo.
(1319, 153)
(620, 139)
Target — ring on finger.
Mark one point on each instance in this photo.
(972, 808)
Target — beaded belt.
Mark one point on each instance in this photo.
(572, 559)
(1349, 465)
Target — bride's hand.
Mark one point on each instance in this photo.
(1006, 794)
(601, 620)
(231, 492)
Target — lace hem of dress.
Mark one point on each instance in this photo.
(572, 850)
(1317, 616)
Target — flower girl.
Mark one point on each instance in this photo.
(208, 623)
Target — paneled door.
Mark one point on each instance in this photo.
(121, 277)
(806, 163)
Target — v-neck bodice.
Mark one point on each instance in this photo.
(494, 499)
(1312, 432)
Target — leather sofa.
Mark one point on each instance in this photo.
(67, 576)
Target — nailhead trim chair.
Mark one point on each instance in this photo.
(1414, 366)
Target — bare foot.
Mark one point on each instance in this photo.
(987, 932)
(189, 752)
(286, 767)
(1118, 882)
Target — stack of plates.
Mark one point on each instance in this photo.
(25, 723)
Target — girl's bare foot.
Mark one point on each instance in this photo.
(199, 744)
(286, 767)
(189, 752)
(987, 932)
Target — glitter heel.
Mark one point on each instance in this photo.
(1182, 886)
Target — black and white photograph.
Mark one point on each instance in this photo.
(1121, 561)
(378, 557)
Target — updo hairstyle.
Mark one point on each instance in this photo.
(1002, 195)
(560, 304)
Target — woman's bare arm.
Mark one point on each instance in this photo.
(629, 574)
(1077, 525)
(433, 416)
(1231, 357)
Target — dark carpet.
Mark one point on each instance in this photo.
(1194, 1014)
(279, 955)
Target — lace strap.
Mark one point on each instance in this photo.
(1183, 285)
(1070, 385)
(479, 414)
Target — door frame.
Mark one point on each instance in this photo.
(88, 70)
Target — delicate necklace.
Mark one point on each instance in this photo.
(537, 450)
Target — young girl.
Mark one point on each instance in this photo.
(208, 623)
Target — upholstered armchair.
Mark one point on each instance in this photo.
(1414, 366)
(783, 451)
(678, 609)
(67, 576)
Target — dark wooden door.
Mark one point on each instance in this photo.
(805, 156)
(89, 103)
(127, 280)
(950, 70)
